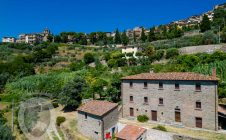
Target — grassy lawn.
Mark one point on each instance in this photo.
(3, 105)
(69, 127)
(207, 135)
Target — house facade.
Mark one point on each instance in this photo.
(177, 98)
(131, 49)
(8, 39)
(98, 119)
(34, 37)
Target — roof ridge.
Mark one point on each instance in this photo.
(172, 76)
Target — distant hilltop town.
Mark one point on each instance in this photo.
(30, 38)
(132, 34)
(196, 19)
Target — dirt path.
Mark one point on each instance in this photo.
(69, 127)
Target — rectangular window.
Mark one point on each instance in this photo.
(131, 98)
(131, 84)
(198, 105)
(96, 132)
(160, 101)
(145, 84)
(145, 100)
(177, 86)
(131, 112)
(85, 115)
(198, 122)
(160, 85)
(198, 87)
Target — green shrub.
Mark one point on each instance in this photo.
(161, 128)
(209, 38)
(60, 120)
(172, 52)
(129, 54)
(89, 58)
(142, 118)
(55, 104)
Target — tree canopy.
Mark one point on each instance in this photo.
(205, 24)
(71, 94)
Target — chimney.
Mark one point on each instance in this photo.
(214, 72)
(151, 70)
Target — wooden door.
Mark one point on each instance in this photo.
(198, 122)
(154, 115)
(131, 112)
(177, 116)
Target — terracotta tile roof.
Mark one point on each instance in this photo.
(221, 110)
(130, 132)
(98, 108)
(171, 76)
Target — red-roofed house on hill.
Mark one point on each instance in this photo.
(174, 98)
(130, 132)
(98, 119)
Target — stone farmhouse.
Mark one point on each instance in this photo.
(175, 98)
(98, 119)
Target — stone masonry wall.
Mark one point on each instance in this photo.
(111, 120)
(90, 127)
(185, 99)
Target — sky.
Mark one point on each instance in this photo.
(27, 16)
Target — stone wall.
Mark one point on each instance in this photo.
(185, 99)
(111, 120)
(90, 127)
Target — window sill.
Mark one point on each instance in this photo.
(161, 104)
(131, 102)
(160, 89)
(176, 89)
(198, 91)
(145, 88)
(198, 109)
(145, 104)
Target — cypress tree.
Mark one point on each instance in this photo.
(117, 37)
(205, 24)
(125, 39)
(151, 34)
(143, 36)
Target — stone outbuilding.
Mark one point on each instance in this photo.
(98, 119)
(130, 132)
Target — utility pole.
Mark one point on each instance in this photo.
(219, 32)
(224, 21)
(12, 116)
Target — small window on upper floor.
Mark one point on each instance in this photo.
(198, 105)
(160, 85)
(177, 86)
(85, 115)
(146, 100)
(160, 101)
(131, 98)
(145, 85)
(131, 84)
(198, 87)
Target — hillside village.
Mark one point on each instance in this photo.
(166, 82)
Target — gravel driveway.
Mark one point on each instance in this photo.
(158, 135)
